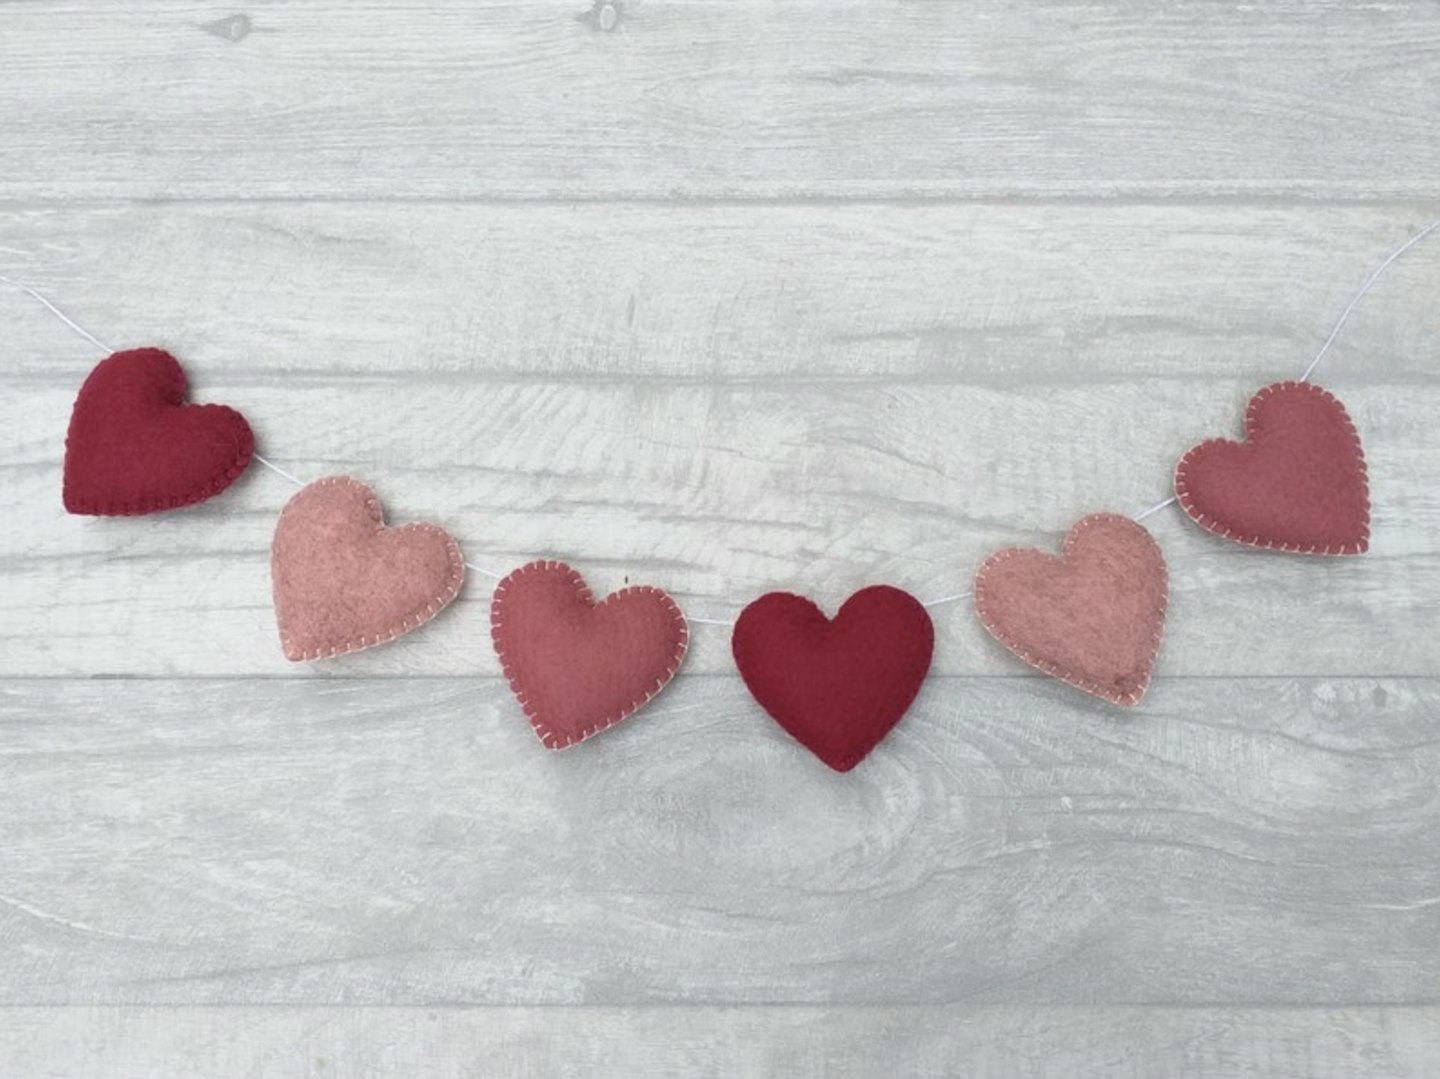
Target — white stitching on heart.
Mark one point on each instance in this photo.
(1210, 524)
(433, 605)
(1052, 669)
(548, 736)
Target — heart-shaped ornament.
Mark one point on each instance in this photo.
(1092, 617)
(838, 686)
(1297, 483)
(343, 581)
(577, 666)
(135, 446)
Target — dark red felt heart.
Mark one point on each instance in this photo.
(135, 446)
(577, 666)
(839, 686)
(1092, 617)
(1297, 483)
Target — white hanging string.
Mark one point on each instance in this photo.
(61, 315)
(1335, 332)
(103, 347)
(273, 467)
(942, 600)
(500, 577)
(1369, 283)
(945, 599)
(1155, 508)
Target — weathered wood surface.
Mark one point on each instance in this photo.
(704, 1043)
(1256, 841)
(724, 295)
(591, 383)
(719, 98)
(1014, 296)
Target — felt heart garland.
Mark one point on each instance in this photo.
(837, 686)
(343, 581)
(1092, 617)
(576, 666)
(135, 446)
(1297, 483)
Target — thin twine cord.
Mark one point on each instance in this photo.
(273, 467)
(1335, 332)
(61, 315)
(103, 347)
(942, 600)
(1369, 283)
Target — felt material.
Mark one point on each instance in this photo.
(838, 687)
(1297, 483)
(1092, 617)
(134, 445)
(577, 666)
(343, 581)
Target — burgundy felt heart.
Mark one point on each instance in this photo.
(838, 687)
(577, 666)
(343, 581)
(1092, 617)
(1297, 483)
(134, 445)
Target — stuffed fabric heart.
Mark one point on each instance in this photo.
(577, 666)
(837, 686)
(135, 447)
(1297, 483)
(1092, 617)
(343, 581)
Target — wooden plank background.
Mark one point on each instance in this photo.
(723, 297)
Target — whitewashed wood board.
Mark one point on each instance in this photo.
(720, 1043)
(1011, 296)
(719, 98)
(891, 446)
(821, 494)
(724, 296)
(1257, 841)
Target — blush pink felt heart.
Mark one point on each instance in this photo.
(577, 666)
(1092, 617)
(136, 446)
(343, 581)
(1297, 483)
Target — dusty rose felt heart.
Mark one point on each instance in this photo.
(135, 446)
(577, 666)
(1297, 483)
(837, 686)
(1091, 617)
(343, 581)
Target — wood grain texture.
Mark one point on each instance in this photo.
(1258, 841)
(842, 1043)
(1013, 297)
(715, 98)
(721, 295)
(571, 419)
